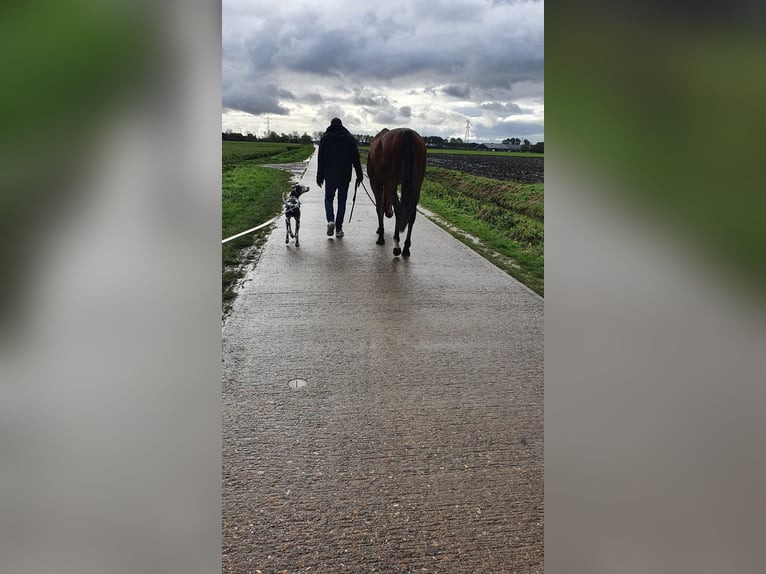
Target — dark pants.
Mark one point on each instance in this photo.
(329, 195)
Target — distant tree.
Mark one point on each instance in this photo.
(306, 138)
(434, 141)
(525, 145)
(538, 147)
(507, 141)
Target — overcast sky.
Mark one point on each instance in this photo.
(426, 64)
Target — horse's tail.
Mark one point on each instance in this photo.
(409, 201)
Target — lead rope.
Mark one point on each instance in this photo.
(353, 200)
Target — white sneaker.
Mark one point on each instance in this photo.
(330, 228)
(339, 233)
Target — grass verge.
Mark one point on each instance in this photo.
(501, 220)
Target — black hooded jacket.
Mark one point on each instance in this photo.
(338, 153)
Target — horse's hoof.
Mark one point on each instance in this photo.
(381, 241)
(406, 253)
(397, 251)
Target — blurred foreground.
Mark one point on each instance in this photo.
(655, 271)
(110, 362)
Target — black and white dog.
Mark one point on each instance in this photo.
(293, 209)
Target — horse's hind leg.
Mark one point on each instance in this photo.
(397, 249)
(288, 231)
(297, 230)
(379, 209)
(406, 252)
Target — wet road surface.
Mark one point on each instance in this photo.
(381, 414)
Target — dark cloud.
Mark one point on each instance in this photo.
(400, 48)
(384, 28)
(261, 51)
(326, 53)
(386, 117)
(405, 111)
(460, 92)
(501, 108)
(312, 98)
(254, 100)
(497, 71)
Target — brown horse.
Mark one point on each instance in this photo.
(397, 156)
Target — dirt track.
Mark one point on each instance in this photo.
(507, 168)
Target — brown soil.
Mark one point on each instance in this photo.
(506, 168)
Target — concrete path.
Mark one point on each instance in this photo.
(416, 442)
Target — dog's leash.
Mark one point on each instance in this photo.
(264, 224)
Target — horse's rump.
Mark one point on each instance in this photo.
(397, 157)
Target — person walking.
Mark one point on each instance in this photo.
(338, 153)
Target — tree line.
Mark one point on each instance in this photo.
(363, 139)
(458, 143)
(273, 137)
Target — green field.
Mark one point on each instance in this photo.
(251, 195)
(237, 154)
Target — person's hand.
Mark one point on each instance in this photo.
(319, 182)
(358, 183)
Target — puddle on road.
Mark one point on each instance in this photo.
(297, 168)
